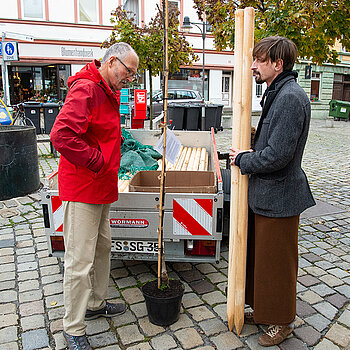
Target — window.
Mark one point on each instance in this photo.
(33, 9)
(132, 7)
(258, 90)
(315, 86)
(88, 11)
(183, 94)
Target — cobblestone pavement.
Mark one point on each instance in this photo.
(31, 282)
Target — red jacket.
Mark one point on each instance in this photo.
(87, 133)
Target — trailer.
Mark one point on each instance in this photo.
(193, 209)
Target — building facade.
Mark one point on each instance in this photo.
(68, 33)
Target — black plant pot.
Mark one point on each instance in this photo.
(163, 306)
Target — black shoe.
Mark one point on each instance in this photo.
(109, 310)
(75, 342)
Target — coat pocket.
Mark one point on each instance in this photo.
(269, 194)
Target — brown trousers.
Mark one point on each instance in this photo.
(272, 268)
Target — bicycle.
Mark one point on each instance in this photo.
(19, 116)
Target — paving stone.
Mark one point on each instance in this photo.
(337, 300)
(206, 268)
(7, 259)
(126, 282)
(140, 346)
(57, 326)
(25, 258)
(322, 289)
(326, 309)
(7, 276)
(145, 277)
(214, 298)
(119, 273)
(53, 288)
(31, 295)
(139, 310)
(54, 301)
(338, 273)
(126, 318)
(292, 343)
(51, 279)
(312, 257)
(310, 297)
(331, 280)
(9, 308)
(221, 310)
(317, 321)
(99, 325)
(138, 269)
(32, 322)
(314, 271)
(308, 335)
(200, 313)
(304, 309)
(32, 308)
(29, 275)
(183, 322)
(129, 334)
(103, 339)
(189, 338)
(132, 295)
(49, 270)
(148, 328)
(8, 334)
(55, 314)
(202, 286)
(190, 300)
(345, 318)
(213, 326)
(8, 296)
(191, 275)
(163, 342)
(325, 344)
(345, 290)
(7, 285)
(308, 280)
(34, 340)
(339, 335)
(182, 266)
(9, 346)
(324, 265)
(216, 277)
(6, 251)
(8, 320)
(226, 341)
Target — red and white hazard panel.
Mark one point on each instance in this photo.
(57, 211)
(192, 216)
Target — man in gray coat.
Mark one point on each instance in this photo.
(278, 190)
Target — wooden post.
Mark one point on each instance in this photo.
(244, 41)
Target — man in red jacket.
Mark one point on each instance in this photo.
(87, 133)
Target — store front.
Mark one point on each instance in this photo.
(38, 83)
(190, 79)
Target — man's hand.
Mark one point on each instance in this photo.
(234, 152)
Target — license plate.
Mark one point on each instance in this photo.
(119, 246)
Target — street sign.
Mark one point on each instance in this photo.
(10, 50)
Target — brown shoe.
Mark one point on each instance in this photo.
(249, 317)
(275, 335)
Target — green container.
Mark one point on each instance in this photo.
(339, 109)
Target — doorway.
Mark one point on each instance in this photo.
(226, 92)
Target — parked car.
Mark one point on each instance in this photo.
(174, 95)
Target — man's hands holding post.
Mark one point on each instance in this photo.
(234, 152)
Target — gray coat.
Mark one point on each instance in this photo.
(278, 186)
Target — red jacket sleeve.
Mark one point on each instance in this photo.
(69, 131)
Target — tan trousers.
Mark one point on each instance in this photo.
(87, 238)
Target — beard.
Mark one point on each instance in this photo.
(258, 78)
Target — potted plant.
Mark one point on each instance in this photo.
(163, 296)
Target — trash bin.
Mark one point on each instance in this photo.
(192, 120)
(50, 113)
(32, 112)
(210, 116)
(175, 116)
(218, 119)
(339, 109)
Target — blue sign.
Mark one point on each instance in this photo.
(10, 50)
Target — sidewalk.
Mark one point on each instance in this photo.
(31, 299)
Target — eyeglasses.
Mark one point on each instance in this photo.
(131, 74)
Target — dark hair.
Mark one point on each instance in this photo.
(274, 48)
